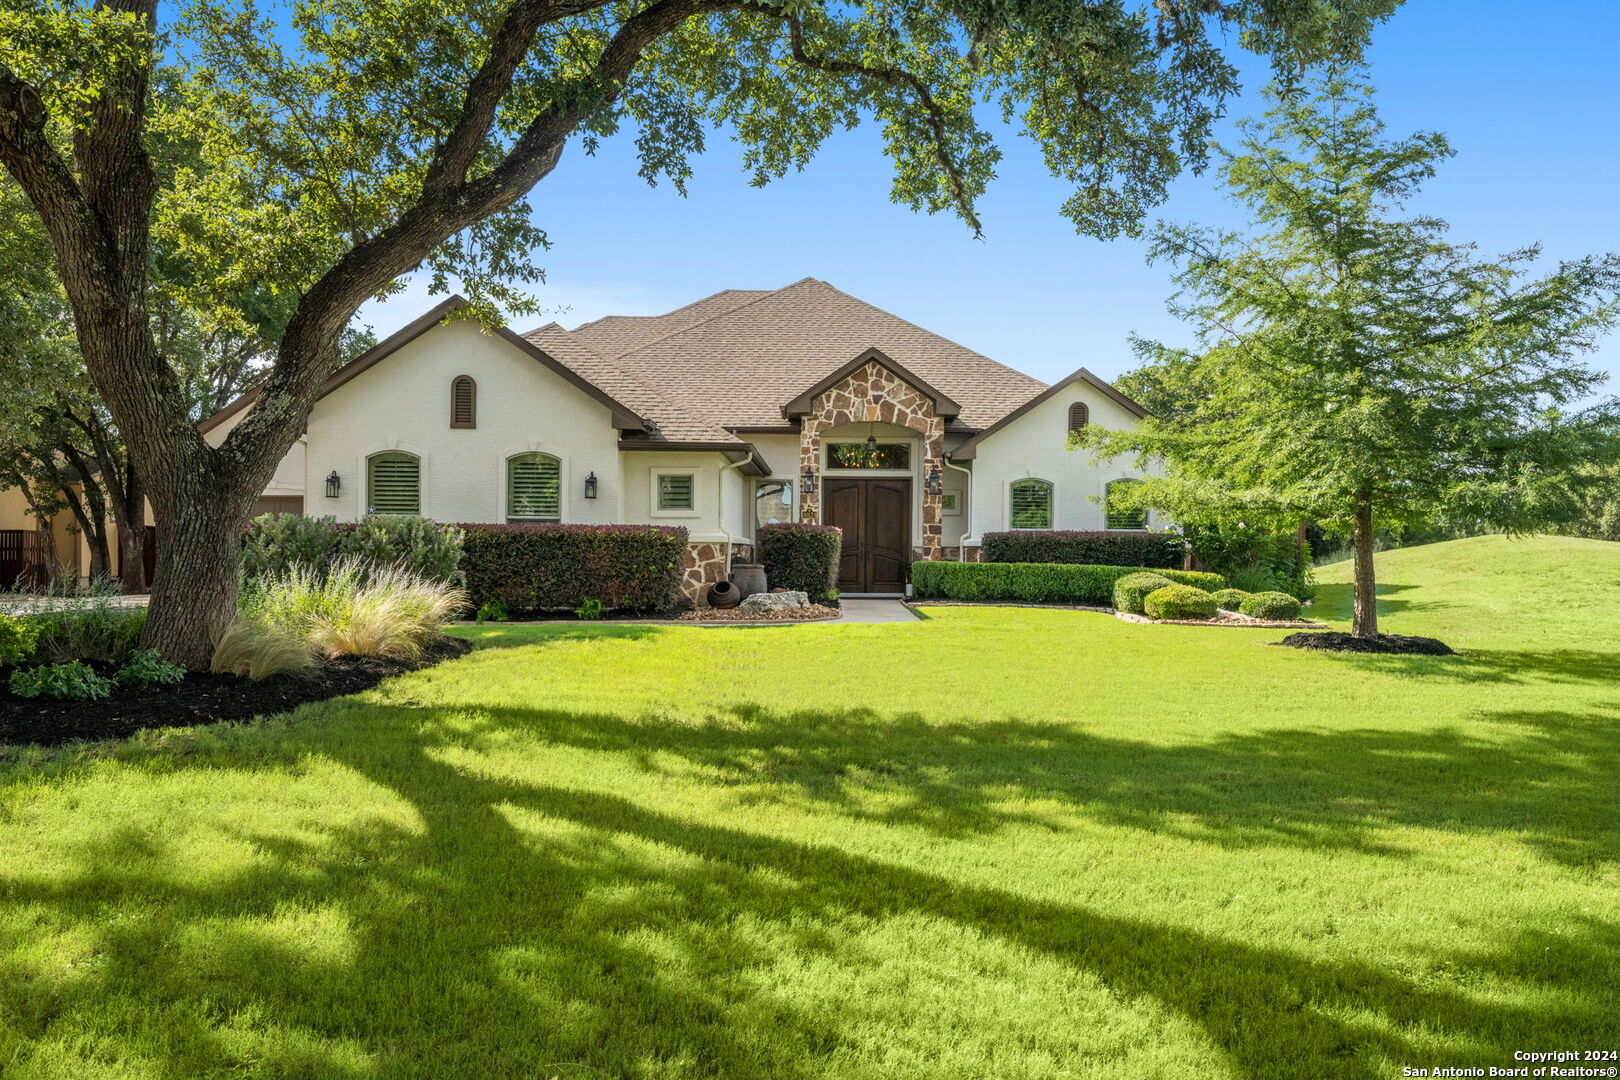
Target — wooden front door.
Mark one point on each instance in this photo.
(875, 515)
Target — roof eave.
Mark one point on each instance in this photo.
(969, 449)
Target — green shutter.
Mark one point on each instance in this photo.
(393, 484)
(675, 491)
(533, 488)
(1120, 518)
(1031, 505)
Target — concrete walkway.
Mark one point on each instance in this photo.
(864, 611)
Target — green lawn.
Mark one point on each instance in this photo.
(1000, 844)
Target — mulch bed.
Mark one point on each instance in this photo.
(1389, 644)
(813, 613)
(200, 698)
(1224, 618)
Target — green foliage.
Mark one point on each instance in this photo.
(1270, 605)
(1260, 579)
(74, 681)
(90, 626)
(1040, 583)
(18, 639)
(1355, 365)
(535, 568)
(801, 557)
(492, 611)
(1179, 602)
(147, 668)
(590, 608)
(1131, 591)
(276, 544)
(1111, 548)
(1229, 599)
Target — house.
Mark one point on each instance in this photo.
(749, 406)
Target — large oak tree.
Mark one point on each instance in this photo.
(345, 143)
(1356, 367)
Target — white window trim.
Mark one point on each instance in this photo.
(1006, 502)
(696, 474)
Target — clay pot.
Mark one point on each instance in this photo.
(724, 594)
(749, 578)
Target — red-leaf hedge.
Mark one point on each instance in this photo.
(1154, 550)
(803, 557)
(539, 568)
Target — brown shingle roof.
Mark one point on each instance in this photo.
(737, 357)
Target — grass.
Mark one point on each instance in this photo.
(1007, 844)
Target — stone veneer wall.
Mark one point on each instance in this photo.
(705, 564)
(874, 394)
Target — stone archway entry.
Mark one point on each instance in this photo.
(875, 514)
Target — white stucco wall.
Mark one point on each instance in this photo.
(403, 403)
(1036, 445)
(289, 477)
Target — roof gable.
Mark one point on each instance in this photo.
(969, 449)
(804, 402)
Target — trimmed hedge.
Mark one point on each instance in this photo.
(1153, 550)
(1229, 599)
(538, 568)
(801, 557)
(1270, 605)
(1040, 583)
(1131, 591)
(1179, 602)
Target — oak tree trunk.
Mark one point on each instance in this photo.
(1364, 618)
(199, 535)
(132, 552)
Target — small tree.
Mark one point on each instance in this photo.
(1355, 367)
(357, 141)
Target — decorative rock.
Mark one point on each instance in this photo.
(760, 603)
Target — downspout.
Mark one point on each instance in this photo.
(967, 511)
(720, 504)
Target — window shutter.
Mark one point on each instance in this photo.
(1031, 505)
(1079, 416)
(393, 484)
(463, 402)
(1133, 519)
(534, 488)
(675, 491)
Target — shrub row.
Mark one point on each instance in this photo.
(277, 544)
(1179, 602)
(1154, 550)
(1054, 583)
(802, 557)
(537, 568)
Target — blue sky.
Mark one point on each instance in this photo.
(1527, 97)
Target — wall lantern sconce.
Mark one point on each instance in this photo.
(931, 484)
(807, 481)
(590, 486)
(334, 484)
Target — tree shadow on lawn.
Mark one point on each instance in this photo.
(630, 942)
(1306, 788)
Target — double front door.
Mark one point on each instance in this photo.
(875, 515)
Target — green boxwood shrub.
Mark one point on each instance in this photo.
(17, 639)
(1037, 583)
(1270, 605)
(1229, 599)
(1153, 550)
(544, 568)
(1131, 591)
(1179, 602)
(801, 557)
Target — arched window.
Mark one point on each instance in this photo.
(533, 488)
(393, 483)
(463, 402)
(1079, 416)
(1031, 504)
(1123, 517)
